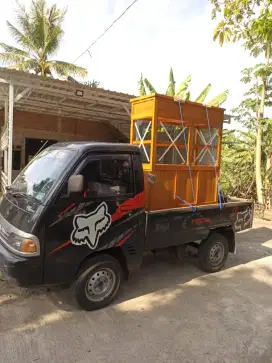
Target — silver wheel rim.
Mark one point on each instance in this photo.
(100, 285)
(217, 253)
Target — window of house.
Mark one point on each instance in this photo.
(108, 176)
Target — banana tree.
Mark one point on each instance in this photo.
(183, 91)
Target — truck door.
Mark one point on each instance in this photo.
(104, 216)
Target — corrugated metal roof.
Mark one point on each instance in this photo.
(34, 93)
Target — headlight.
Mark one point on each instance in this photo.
(27, 246)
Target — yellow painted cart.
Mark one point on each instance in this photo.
(180, 144)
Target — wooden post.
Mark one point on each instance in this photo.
(10, 132)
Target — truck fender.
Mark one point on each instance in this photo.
(229, 233)
(116, 253)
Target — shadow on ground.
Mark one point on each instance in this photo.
(157, 273)
(168, 311)
(163, 271)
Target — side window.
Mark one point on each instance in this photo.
(108, 177)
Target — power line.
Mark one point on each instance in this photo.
(112, 24)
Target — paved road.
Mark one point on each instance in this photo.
(167, 312)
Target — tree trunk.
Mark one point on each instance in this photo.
(258, 153)
(268, 167)
(258, 159)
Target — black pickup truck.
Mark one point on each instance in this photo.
(76, 214)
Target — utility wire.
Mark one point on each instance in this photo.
(100, 36)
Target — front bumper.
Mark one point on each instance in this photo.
(25, 271)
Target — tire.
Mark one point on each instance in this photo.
(213, 253)
(98, 282)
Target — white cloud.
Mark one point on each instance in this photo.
(151, 37)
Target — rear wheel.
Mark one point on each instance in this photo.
(213, 253)
(98, 282)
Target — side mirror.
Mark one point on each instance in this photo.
(75, 184)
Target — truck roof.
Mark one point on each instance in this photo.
(85, 146)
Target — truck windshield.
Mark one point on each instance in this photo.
(40, 176)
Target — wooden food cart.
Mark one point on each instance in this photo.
(180, 144)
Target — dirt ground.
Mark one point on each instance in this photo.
(167, 312)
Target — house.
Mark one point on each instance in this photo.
(36, 112)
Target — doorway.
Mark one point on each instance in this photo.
(33, 146)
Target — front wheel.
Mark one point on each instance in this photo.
(98, 282)
(213, 253)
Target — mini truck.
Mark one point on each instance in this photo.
(77, 214)
(84, 213)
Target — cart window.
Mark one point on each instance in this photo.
(205, 148)
(107, 177)
(172, 133)
(142, 138)
(142, 130)
(171, 143)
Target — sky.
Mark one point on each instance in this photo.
(152, 36)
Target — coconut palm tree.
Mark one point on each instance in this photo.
(182, 91)
(38, 33)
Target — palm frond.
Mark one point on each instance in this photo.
(142, 90)
(56, 16)
(11, 58)
(29, 65)
(24, 40)
(149, 86)
(10, 49)
(52, 42)
(23, 18)
(203, 95)
(171, 85)
(65, 69)
(38, 33)
(219, 100)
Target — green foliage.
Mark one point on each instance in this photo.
(183, 88)
(149, 86)
(38, 33)
(247, 112)
(250, 21)
(237, 164)
(223, 33)
(183, 91)
(93, 84)
(219, 100)
(239, 148)
(141, 84)
(203, 95)
(171, 85)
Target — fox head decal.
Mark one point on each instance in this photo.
(89, 227)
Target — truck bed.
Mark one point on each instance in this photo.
(182, 225)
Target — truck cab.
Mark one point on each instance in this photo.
(77, 214)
